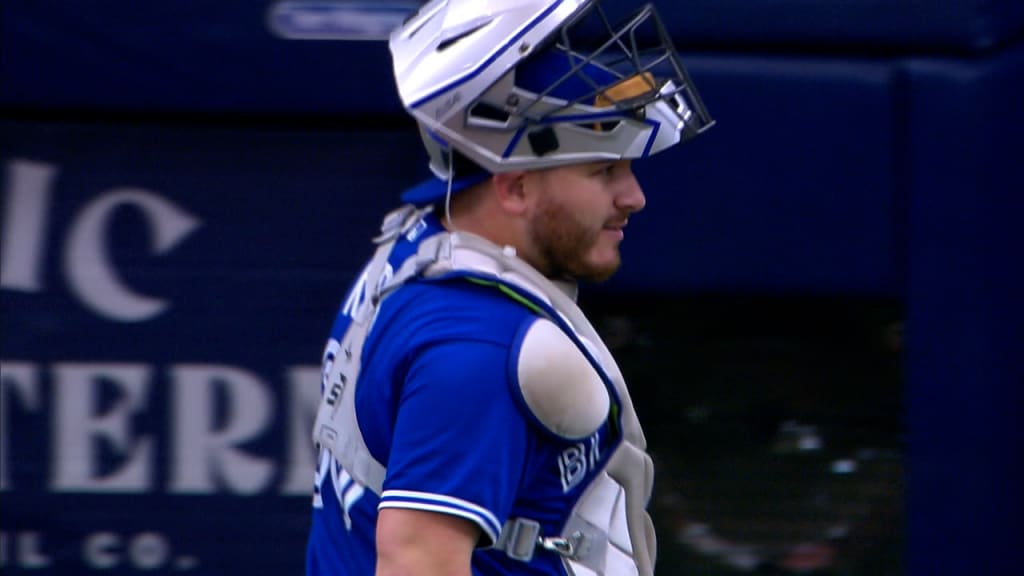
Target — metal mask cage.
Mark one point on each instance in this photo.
(599, 57)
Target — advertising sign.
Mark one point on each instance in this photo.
(166, 294)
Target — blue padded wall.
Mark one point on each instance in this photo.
(909, 26)
(965, 314)
(804, 147)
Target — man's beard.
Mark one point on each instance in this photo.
(565, 242)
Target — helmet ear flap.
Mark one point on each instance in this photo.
(437, 160)
(444, 158)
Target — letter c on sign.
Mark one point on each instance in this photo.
(90, 273)
(100, 550)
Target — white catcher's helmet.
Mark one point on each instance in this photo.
(527, 84)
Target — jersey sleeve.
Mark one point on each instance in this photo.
(460, 443)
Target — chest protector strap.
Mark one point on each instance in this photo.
(337, 428)
(624, 485)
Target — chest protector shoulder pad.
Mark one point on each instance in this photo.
(558, 384)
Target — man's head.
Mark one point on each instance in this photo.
(543, 103)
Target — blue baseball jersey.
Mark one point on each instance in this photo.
(439, 404)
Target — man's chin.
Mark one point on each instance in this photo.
(599, 272)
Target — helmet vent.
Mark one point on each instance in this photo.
(419, 19)
(543, 141)
(486, 111)
(449, 42)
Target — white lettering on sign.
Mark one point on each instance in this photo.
(23, 550)
(88, 266)
(82, 429)
(87, 263)
(24, 224)
(304, 398)
(215, 414)
(207, 451)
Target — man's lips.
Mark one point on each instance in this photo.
(617, 225)
(616, 228)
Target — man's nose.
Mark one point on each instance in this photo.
(631, 198)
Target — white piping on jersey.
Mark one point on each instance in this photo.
(416, 499)
(490, 531)
(346, 491)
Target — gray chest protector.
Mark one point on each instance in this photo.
(609, 531)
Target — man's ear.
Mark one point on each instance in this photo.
(510, 192)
